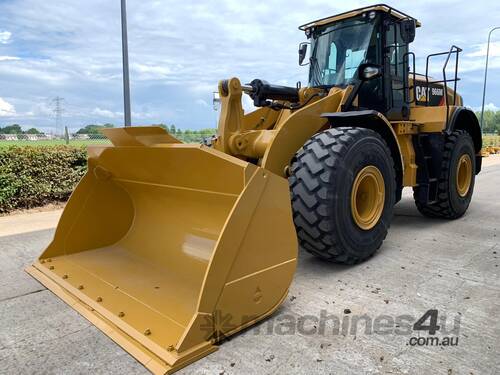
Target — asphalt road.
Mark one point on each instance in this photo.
(450, 266)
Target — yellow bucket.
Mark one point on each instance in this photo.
(168, 247)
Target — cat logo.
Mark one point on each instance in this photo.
(432, 95)
(421, 93)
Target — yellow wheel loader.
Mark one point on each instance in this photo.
(170, 247)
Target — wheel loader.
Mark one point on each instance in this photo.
(169, 248)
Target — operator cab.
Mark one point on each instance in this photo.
(366, 48)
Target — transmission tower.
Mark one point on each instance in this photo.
(58, 111)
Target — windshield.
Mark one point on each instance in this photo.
(339, 49)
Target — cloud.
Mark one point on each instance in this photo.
(180, 50)
(481, 50)
(150, 71)
(487, 107)
(106, 113)
(247, 104)
(41, 109)
(118, 115)
(202, 103)
(6, 109)
(5, 37)
(9, 58)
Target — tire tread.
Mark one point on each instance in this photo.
(311, 189)
(442, 208)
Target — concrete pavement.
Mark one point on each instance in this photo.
(451, 266)
(28, 222)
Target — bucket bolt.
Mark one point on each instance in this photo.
(99, 299)
(80, 287)
(147, 332)
(65, 276)
(121, 314)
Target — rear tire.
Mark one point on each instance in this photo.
(324, 173)
(456, 183)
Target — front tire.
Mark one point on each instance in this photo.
(343, 188)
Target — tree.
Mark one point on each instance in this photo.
(94, 129)
(32, 131)
(491, 121)
(496, 122)
(12, 129)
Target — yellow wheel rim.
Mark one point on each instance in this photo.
(464, 175)
(367, 197)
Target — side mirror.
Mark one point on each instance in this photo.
(368, 71)
(302, 52)
(408, 27)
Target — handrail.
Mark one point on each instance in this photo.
(453, 49)
(413, 87)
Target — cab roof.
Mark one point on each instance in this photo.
(352, 13)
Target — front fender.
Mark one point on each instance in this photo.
(294, 130)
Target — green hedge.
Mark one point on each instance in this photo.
(34, 176)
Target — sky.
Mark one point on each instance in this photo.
(179, 50)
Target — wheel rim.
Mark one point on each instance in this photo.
(367, 197)
(464, 175)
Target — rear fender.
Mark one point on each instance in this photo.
(465, 119)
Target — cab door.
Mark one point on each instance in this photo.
(396, 68)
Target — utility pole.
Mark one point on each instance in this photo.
(58, 110)
(126, 81)
(486, 73)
